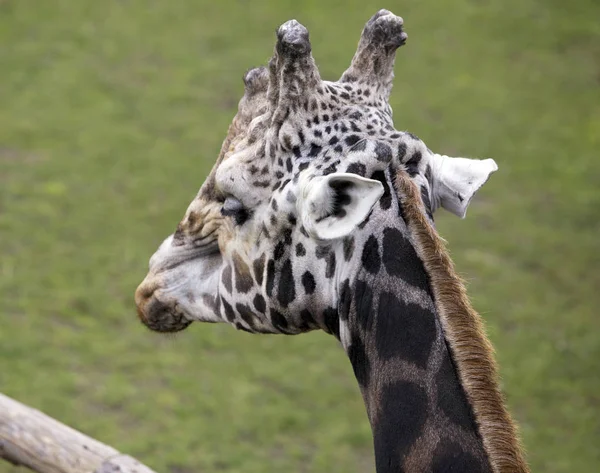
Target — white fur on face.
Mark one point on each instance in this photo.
(186, 278)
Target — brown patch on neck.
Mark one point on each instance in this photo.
(471, 350)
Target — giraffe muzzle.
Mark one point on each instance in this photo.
(156, 314)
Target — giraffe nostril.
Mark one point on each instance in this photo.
(158, 315)
(144, 295)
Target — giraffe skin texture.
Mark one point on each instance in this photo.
(299, 227)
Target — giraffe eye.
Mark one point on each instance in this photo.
(232, 207)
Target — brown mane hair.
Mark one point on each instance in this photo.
(471, 350)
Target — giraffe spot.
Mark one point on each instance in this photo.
(330, 268)
(401, 151)
(308, 320)
(401, 259)
(360, 361)
(331, 169)
(427, 202)
(451, 397)
(260, 304)
(449, 456)
(278, 320)
(406, 331)
(259, 267)
(385, 202)
(243, 278)
(363, 301)
(314, 151)
(383, 152)
(348, 248)
(370, 256)
(403, 412)
(270, 277)
(360, 146)
(332, 321)
(279, 251)
(229, 313)
(352, 140)
(345, 300)
(246, 314)
(286, 291)
(239, 326)
(357, 168)
(300, 250)
(412, 165)
(322, 252)
(226, 278)
(308, 281)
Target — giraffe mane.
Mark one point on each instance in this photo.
(471, 350)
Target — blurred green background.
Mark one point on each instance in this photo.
(111, 114)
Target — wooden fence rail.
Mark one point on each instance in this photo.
(32, 439)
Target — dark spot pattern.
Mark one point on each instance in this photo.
(427, 202)
(401, 259)
(405, 405)
(308, 281)
(260, 304)
(360, 146)
(345, 300)
(412, 165)
(348, 248)
(357, 168)
(229, 313)
(307, 318)
(352, 140)
(246, 314)
(386, 199)
(279, 251)
(371, 260)
(278, 320)
(259, 267)
(286, 291)
(406, 331)
(451, 397)
(332, 321)
(270, 277)
(243, 278)
(226, 276)
(383, 152)
(450, 457)
(363, 300)
(330, 268)
(359, 360)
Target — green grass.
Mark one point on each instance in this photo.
(111, 114)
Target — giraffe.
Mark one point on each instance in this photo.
(318, 214)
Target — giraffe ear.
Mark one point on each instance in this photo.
(332, 206)
(456, 180)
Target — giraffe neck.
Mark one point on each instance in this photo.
(389, 326)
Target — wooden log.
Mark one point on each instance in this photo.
(32, 439)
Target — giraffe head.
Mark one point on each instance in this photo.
(303, 180)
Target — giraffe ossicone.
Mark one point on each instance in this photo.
(299, 227)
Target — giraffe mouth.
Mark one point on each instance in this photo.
(161, 317)
(180, 286)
